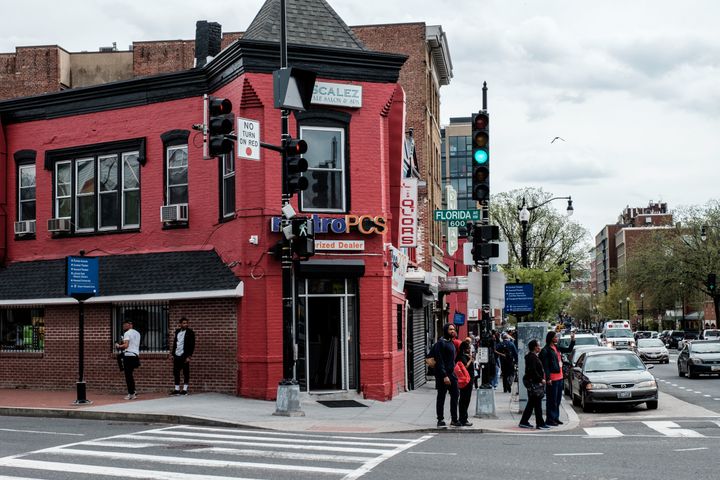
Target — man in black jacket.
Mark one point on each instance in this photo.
(445, 379)
(183, 349)
(551, 357)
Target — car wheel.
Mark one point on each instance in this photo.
(652, 405)
(586, 406)
(575, 400)
(691, 374)
(680, 372)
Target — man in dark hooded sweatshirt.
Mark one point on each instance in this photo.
(445, 379)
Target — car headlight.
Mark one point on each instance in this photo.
(596, 386)
(695, 360)
(648, 384)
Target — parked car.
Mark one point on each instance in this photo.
(604, 377)
(687, 338)
(569, 360)
(710, 334)
(655, 335)
(618, 338)
(642, 334)
(580, 339)
(663, 335)
(700, 356)
(673, 338)
(652, 350)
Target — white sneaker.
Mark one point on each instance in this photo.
(130, 396)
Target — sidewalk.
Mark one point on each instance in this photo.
(408, 412)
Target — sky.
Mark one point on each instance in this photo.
(631, 86)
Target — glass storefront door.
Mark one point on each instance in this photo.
(325, 327)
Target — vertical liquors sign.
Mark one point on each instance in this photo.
(408, 228)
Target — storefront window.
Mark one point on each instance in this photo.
(22, 329)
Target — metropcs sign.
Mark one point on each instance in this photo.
(365, 224)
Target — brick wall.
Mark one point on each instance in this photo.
(29, 71)
(213, 364)
(152, 58)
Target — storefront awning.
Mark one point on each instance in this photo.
(151, 276)
(330, 268)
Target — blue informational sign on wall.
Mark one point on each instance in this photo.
(83, 276)
(519, 298)
(459, 318)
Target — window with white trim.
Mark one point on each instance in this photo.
(177, 175)
(98, 193)
(326, 169)
(26, 192)
(228, 185)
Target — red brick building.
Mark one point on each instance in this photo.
(115, 171)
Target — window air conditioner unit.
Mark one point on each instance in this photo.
(59, 225)
(174, 213)
(25, 227)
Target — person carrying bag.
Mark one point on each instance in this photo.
(534, 381)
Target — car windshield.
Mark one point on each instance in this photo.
(712, 333)
(705, 347)
(650, 342)
(613, 363)
(620, 332)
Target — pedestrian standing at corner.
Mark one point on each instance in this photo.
(465, 356)
(445, 379)
(534, 375)
(183, 349)
(130, 347)
(551, 357)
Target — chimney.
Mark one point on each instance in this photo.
(207, 41)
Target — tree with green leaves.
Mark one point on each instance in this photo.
(552, 237)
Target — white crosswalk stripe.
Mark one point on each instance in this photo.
(654, 428)
(194, 453)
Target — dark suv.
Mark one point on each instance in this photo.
(673, 338)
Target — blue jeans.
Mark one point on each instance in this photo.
(553, 396)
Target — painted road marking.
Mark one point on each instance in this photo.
(42, 432)
(603, 432)
(690, 449)
(672, 429)
(577, 454)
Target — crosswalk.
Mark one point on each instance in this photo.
(676, 429)
(207, 453)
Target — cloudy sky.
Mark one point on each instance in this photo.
(632, 86)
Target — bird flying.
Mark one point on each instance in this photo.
(557, 138)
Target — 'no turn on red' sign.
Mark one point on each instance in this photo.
(248, 139)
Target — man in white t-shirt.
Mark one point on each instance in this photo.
(130, 346)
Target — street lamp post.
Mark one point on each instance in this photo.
(524, 217)
(642, 311)
(620, 308)
(627, 299)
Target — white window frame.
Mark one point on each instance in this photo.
(125, 189)
(341, 162)
(59, 197)
(100, 193)
(78, 195)
(228, 212)
(22, 168)
(167, 171)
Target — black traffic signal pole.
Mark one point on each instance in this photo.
(286, 259)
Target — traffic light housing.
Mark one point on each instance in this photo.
(483, 246)
(219, 122)
(480, 157)
(712, 283)
(294, 165)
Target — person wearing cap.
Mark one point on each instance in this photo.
(130, 347)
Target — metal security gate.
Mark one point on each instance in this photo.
(416, 347)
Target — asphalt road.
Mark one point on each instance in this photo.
(703, 391)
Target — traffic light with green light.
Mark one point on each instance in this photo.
(480, 157)
(712, 283)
